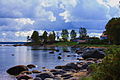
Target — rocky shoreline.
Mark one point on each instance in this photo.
(70, 71)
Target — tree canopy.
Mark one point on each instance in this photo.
(73, 34)
(35, 37)
(83, 32)
(52, 36)
(113, 30)
(65, 34)
(45, 37)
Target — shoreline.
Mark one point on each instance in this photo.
(69, 71)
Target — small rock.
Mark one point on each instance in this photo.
(49, 79)
(60, 53)
(26, 77)
(36, 71)
(30, 66)
(45, 75)
(37, 78)
(26, 72)
(59, 57)
(57, 50)
(52, 52)
(59, 67)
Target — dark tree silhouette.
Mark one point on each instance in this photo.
(73, 34)
(83, 32)
(35, 37)
(113, 30)
(45, 37)
(65, 34)
(52, 37)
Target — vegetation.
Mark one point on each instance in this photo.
(35, 37)
(109, 69)
(83, 32)
(113, 30)
(73, 34)
(65, 34)
(52, 37)
(45, 37)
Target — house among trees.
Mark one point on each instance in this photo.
(104, 36)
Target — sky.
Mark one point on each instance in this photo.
(19, 18)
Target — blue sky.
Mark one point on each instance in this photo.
(19, 18)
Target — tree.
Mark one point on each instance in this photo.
(35, 37)
(83, 32)
(73, 34)
(57, 35)
(28, 38)
(113, 30)
(52, 36)
(65, 34)
(45, 37)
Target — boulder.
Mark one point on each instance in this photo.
(16, 70)
(86, 65)
(30, 66)
(71, 66)
(36, 71)
(26, 72)
(93, 54)
(37, 78)
(24, 77)
(45, 75)
(66, 76)
(60, 72)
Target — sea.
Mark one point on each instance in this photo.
(23, 55)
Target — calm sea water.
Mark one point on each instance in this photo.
(23, 55)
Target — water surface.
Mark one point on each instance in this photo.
(23, 55)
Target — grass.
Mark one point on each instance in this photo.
(85, 44)
(65, 43)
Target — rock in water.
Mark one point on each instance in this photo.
(24, 77)
(59, 57)
(37, 78)
(30, 66)
(93, 54)
(45, 75)
(16, 70)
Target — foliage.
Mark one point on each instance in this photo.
(35, 37)
(83, 32)
(52, 37)
(113, 30)
(45, 37)
(65, 34)
(65, 43)
(109, 69)
(73, 34)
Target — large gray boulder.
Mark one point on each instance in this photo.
(94, 53)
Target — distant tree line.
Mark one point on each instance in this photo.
(52, 36)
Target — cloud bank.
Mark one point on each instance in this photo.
(21, 17)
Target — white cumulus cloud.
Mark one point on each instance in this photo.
(25, 21)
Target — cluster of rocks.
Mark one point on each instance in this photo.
(63, 72)
(70, 71)
(91, 53)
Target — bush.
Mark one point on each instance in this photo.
(109, 69)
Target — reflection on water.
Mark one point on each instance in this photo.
(22, 55)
